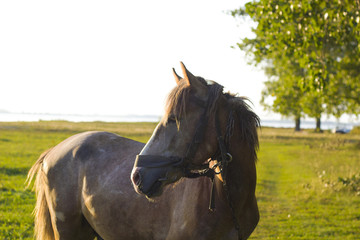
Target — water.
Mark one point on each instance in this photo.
(31, 117)
(308, 124)
(34, 117)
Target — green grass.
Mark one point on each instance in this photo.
(308, 187)
(299, 192)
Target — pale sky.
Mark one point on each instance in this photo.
(116, 57)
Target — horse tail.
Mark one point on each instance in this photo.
(43, 227)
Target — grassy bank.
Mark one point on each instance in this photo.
(308, 184)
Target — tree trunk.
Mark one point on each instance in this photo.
(318, 125)
(297, 124)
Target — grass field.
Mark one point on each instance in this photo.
(308, 183)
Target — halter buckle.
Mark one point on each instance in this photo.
(218, 164)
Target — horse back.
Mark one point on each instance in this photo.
(88, 149)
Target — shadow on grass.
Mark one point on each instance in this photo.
(268, 187)
(14, 171)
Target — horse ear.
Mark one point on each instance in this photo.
(177, 77)
(189, 77)
(191, 80)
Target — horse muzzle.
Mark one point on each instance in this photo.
(146, 182)
(151, 173)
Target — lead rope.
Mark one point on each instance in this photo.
(212, 194)
(226, 158)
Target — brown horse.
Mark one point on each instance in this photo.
(83, 184)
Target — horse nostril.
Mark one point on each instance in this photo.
(136, 178)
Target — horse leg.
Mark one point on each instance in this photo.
(67, 219)
(64, 201)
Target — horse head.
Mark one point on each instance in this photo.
(198, 118)
(172, 147)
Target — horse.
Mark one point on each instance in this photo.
(202, 151)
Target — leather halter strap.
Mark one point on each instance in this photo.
(157, 161)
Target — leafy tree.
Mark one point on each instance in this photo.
(312, 46)
(284, 92)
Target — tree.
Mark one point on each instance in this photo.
(311, 45)
(285, 93)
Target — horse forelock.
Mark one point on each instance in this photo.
(177, 100)
(248, 121)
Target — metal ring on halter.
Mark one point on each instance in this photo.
(229, 157)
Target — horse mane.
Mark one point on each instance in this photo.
(248, 120)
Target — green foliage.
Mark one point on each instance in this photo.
(287, 97)
(311, 46)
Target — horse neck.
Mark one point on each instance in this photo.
(241, 171)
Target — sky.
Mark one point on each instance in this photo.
(116, 57)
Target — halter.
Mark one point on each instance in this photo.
(190, 170)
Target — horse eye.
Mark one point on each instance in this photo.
(171, 119)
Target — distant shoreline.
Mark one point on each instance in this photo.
(35, 117)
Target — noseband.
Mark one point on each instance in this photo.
(222, 156)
